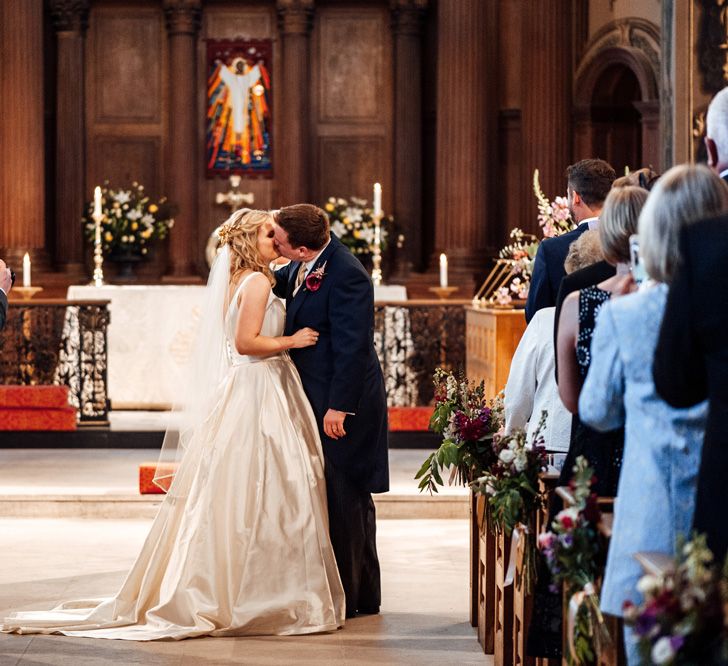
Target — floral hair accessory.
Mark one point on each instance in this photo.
(225, 232)
(315, 278)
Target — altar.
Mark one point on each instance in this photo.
(151, 332)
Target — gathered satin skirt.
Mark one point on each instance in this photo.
(240, 545)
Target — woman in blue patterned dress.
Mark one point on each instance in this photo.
(655, 497)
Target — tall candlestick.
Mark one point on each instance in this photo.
(377, 199)
(443, 270)
(97, 202)
(26, 270)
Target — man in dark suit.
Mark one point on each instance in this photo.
(6, 284)
(588, 183)
(327, 289)
(691, 358)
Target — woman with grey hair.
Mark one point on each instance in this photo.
(661, 457)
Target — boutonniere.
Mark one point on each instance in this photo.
(315, 278)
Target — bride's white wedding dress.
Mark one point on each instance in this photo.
(240, 545)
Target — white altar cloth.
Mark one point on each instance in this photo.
(150, 338)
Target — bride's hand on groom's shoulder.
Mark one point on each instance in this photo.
(305, 337)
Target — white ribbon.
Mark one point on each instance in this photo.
(577, 599)
(518, 531)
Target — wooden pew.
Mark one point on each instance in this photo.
(612, 655)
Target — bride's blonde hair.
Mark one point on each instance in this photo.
(240, 232)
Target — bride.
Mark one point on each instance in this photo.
(240, 545)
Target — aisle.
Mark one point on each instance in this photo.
(423, 620)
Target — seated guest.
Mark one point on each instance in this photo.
(601, 270)
(6, 284)
(588, 183)
(531, 387)
(578, 317)
(662, 444)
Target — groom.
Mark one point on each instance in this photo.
(327, 289)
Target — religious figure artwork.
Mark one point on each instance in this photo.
(239, 123)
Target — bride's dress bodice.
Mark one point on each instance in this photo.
(273, 325)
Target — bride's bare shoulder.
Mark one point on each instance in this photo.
(255, 286)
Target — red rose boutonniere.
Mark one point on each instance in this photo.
(315, 278)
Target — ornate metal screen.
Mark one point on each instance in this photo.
(59, 342)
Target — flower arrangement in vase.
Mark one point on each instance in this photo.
(132, 222)
(352, 222)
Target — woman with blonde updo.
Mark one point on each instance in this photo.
(240, 545)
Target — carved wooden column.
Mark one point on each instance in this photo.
(465, 122)
(407, 27)
(22, 149)
(294, 22)
(183, 23)
(547, 76)
(70, 20)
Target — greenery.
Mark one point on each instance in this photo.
(132, 220)
(467, 423)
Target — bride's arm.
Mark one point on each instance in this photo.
(248, 340)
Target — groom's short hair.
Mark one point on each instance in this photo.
(306, 225)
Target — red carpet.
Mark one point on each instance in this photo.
(36, 408)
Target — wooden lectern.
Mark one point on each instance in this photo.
(492, 336)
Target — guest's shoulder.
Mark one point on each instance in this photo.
(646, 305)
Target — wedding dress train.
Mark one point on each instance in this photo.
(240, 545)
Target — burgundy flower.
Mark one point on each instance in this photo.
(315, 278)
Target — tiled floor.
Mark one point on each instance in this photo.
(423, 619)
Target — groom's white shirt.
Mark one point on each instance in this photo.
(309, 265)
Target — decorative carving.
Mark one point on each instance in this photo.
(61, 343)
(183, 16)
(69, 15)
(295, 16)
(411, 341)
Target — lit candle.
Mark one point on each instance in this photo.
(377, 199)
(443, 270)
(26, 270)
(97, 202)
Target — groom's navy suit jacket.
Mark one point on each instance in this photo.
(341, 371)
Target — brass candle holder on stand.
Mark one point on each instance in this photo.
(98, 278)
(26, 293)
(377, 251)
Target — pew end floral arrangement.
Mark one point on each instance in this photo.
(575, 555)
(682, 618)
(511, 488)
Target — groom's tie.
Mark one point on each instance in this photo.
(300, 277)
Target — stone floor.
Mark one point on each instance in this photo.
(423, 620)
(104, 483)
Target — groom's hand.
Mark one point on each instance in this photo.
(334, 424)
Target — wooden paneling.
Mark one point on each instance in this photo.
(351, 67)
(126, 67)
(347, 165)
(352, 114)
(123, 160)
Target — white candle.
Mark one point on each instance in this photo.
(26, 270)
(443, 270)
(377, 199)
(97, 202)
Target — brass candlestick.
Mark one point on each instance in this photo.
(443, 293)
(98, 279)
(26, 293)
(377, 251)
